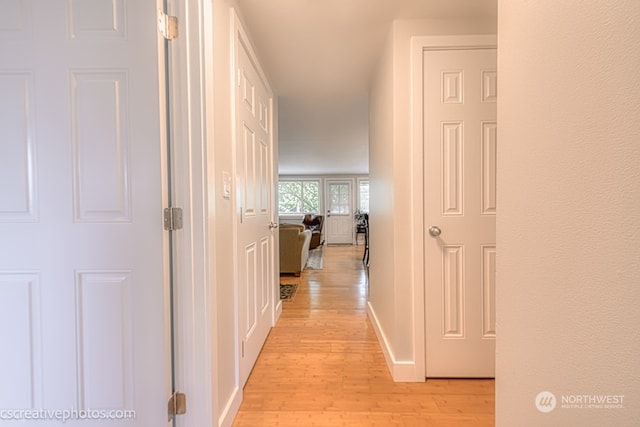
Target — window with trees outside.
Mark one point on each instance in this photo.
(363, 195)
(299, 196)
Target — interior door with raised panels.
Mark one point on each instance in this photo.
(82, 265)
(460, 93)
(255, 184)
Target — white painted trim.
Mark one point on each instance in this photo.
(229, 412)
(166, 249)
(233, 65)
(417, 243)
(401, 371)
(210, 298)
(387, 350)
(419, 44)
(191, 98)
(478, 41)
(275, 232)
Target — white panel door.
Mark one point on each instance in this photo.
(339, 223)
(82, 284)
(460, 204)
(255, 184)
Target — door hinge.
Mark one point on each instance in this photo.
(172, 219)
(177, 405)
(168, 25)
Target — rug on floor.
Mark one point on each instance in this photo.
(288, 291)
(315, 259)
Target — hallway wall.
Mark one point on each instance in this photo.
(569, 214)
(227, 394)
(391, 174)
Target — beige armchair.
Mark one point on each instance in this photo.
(294, 248)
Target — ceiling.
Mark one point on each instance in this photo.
(320, 56)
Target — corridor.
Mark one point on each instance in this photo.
(322, 364)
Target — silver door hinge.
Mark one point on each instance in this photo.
(172, 219)
(168, 25)
(177, 405)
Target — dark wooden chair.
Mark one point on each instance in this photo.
(314, 223)
(363, 227)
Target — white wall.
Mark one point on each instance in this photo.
(221, 211)
(381, 194)
(391, 180)
(227, 393)
(569, 218)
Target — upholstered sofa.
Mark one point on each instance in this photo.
(294, 248)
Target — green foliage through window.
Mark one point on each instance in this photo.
(299, 197)
(363, 195)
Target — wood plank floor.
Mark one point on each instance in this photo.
(322, 365)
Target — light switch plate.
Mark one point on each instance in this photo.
(226, 185)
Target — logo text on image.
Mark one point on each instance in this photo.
(546, 401)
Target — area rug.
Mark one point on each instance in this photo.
(288, 291)
(315, 259)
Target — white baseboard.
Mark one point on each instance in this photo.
(401, 371)
(382, 338)
(278, 312)
(405, 372)
(231, 409)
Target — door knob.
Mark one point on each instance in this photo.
(435, 231)
(272, 225)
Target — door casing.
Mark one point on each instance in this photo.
(416, 371)
(194, 298)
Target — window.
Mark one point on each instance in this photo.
(363, 195)
(299, 197)
(339, 198)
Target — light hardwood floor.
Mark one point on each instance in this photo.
(322, 365)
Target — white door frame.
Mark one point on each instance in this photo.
(192, 102)
(194, 296)
(418, 224)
